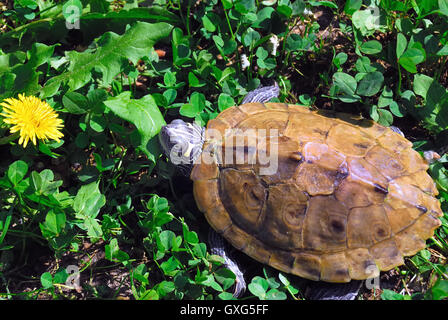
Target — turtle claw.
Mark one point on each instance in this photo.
(431, 156)
(397, 130)
(240, 283)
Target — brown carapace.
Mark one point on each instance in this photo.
(349, 197)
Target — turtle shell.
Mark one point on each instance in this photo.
(340, 198)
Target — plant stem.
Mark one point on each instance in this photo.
(182, 15)
(399, 80)
(8, 139)
(228, 23)
(188, 18)
(233, 39)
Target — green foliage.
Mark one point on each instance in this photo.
(415, 48)
(269, 288)
(112, 49)
(192, 271)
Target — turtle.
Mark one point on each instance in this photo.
(340, 197)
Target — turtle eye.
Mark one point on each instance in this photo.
(181, 153)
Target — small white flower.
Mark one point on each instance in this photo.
(244, 62)
(274, 41)
(307, 12)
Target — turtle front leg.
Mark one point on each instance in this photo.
(219, 247)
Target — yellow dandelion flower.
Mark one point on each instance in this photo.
(32, 118)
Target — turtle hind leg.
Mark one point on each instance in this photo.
(219, 247)
(333, 291)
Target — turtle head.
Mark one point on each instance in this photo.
(182, 143)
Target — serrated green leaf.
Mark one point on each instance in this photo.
(144, 115)
(40, 54)
(108, 56)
